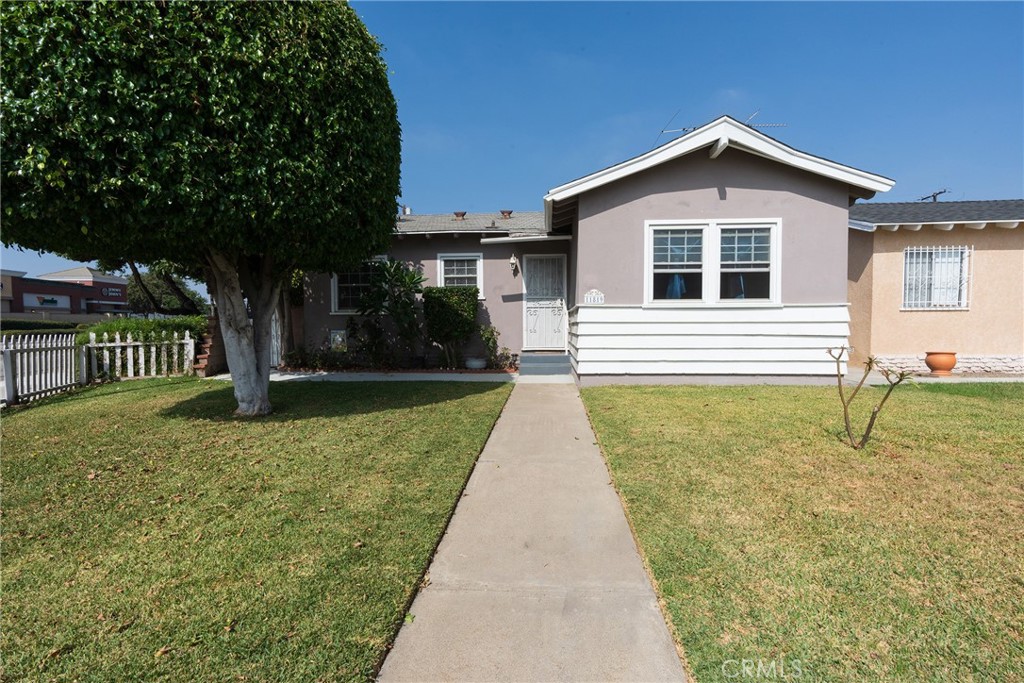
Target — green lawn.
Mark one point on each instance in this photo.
(147, 535)
(771, 540)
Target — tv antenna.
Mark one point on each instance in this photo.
(934, 196)
(690, 129)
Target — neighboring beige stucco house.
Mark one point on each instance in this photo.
(938, 276)
(720, 253)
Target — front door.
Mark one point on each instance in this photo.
(544, 311)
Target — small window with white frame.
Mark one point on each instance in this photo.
(936, 278)
(458, 270)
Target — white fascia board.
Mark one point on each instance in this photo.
(737, 135)
(525, 238)
(446, 232)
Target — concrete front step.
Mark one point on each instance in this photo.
(544, 364)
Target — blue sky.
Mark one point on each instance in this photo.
(499, 102)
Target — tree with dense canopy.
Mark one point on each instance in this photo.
(244, 140)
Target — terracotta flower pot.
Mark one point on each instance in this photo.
(940, 362)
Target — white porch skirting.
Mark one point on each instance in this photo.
(632, 340)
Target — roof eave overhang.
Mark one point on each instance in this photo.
(947, 225)
(721, 133)
(525, 238)
(488, 231)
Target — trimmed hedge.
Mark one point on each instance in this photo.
(142, 328)
(40, 325)
(450, 314)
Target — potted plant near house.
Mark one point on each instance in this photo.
(941, 363)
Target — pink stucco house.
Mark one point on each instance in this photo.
(938, 276)
(721, 253)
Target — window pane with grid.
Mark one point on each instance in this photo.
(460, 272)
(746, 261)
(678, 250)
(353, 284)
(936, 277)
(677, 262)
(746, 248)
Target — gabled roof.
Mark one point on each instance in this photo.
(83, 273)
(721, 133)
(519, 223)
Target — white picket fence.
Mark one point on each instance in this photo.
(40, 365)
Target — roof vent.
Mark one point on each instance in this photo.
(460, 215)
(506, 213)
(406, 210)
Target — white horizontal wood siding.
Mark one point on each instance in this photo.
(633, 340)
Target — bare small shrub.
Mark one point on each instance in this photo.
(893, 378)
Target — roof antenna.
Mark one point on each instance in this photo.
(689, 129)
(663, 131)
(761, 125)
(934, 196)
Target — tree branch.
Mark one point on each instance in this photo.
(137, 276)
(188, 306)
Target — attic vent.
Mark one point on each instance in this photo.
(506, 213)
(460, 215)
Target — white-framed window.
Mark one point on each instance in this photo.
(746, 263)
(937, 278)
(721, 262)
(348, 287)
(454, 270)
(677, 264)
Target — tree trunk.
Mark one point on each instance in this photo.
(246, 344)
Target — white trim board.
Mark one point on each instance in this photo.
(525, 238)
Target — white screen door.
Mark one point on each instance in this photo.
(544, 280)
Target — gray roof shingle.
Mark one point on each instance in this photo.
(879, 213)
(520, 223)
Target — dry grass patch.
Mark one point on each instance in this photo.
(772, 540)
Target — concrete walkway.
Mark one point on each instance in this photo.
(537, 577)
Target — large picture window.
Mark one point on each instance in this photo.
(712, 262)
(936, 278)
(455, 270)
